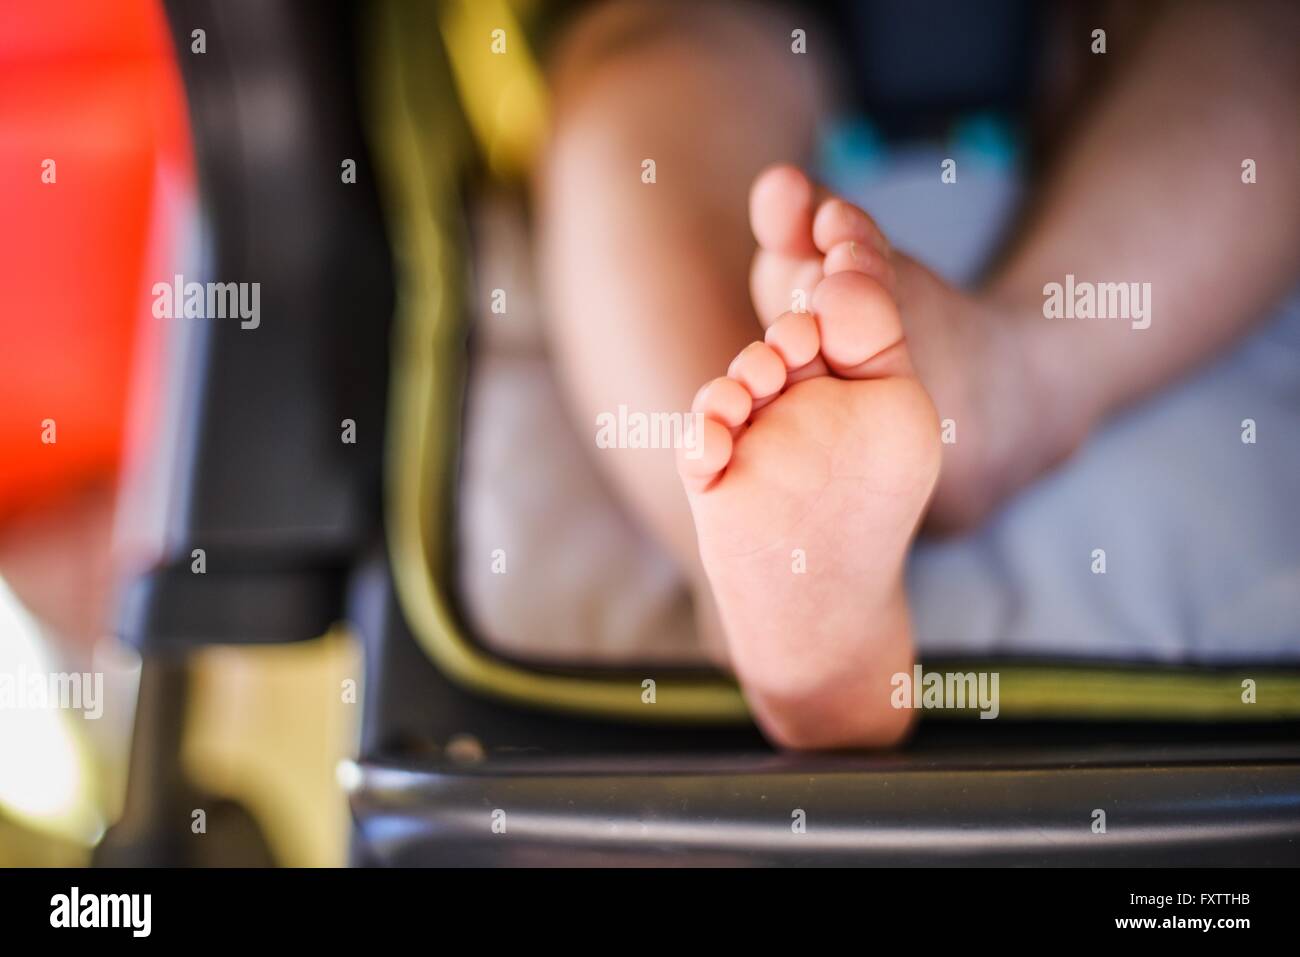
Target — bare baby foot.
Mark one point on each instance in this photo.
(969, 352)
(820, 450)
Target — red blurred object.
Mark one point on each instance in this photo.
(94, 87)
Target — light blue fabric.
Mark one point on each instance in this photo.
(1201, 531)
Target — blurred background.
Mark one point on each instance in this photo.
(100, 201)
(277, 545)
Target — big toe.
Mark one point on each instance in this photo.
(781, 206)
(861, 332)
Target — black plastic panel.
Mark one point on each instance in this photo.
(256, 472)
